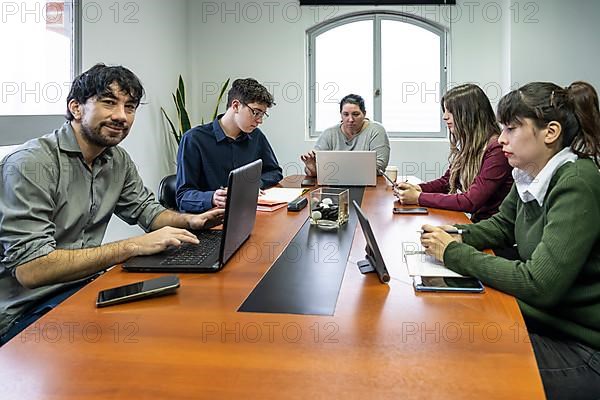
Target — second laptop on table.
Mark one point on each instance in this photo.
(346, 168)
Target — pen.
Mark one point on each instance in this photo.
(413, 252)
(454, 231)
(394, 184)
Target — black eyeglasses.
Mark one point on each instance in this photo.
(257, 114)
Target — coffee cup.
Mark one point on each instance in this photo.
(392, 172)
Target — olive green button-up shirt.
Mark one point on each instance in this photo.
(50, 199)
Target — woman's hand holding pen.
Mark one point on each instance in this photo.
(435, 239)
(406, 186)
(407, 193)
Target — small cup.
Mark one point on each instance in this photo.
(392, 172)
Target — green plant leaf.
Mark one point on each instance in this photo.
(181, 89)
(184, 118)
(223, 89)
(174, 132)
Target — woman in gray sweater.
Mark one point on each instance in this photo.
(355, 132)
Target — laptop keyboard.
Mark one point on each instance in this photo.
(195, 254)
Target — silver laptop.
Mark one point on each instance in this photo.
(216, 247)
(346, 168)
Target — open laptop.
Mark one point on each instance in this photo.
(216, 247)
(346, 168)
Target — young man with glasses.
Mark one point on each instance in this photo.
(207, 153)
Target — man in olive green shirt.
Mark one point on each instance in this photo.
(59, 192)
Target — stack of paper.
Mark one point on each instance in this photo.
(420, 264)
(276, 198)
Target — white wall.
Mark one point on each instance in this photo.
(558, 43)
(150, 38)
(495, 43)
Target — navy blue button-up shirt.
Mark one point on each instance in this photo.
(206, 156)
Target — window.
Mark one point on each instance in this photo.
(40, 58)
(396, 62)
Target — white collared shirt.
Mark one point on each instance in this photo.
(530, 187)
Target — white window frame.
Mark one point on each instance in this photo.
(17, 129)
(376, 17)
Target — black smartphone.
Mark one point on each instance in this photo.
(411, 210)
(447, 284)
(152, 287)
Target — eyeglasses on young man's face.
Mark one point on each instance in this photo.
(256, 113)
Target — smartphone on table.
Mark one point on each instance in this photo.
(135, 291)
(464, 284)
(410, 210)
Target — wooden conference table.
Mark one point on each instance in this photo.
(384, 341)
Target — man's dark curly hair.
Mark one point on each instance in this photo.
(96, 81)
(249, 91)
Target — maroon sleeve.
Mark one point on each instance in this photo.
(493, 175)
(440, 185)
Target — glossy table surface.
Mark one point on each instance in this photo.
(384, 341)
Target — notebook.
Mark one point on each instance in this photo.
(346, 168)
(216, 247)
(276, 198)
(420, 264)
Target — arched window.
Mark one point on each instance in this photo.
(396, 61)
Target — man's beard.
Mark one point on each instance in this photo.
(95, 137)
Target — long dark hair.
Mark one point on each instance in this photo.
(585, 100)
(543, 102)
(474, 125)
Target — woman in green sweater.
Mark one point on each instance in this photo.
(552, 214)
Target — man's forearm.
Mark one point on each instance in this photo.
(170, 218)
(68, 265)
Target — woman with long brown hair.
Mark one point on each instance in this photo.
(479, 176)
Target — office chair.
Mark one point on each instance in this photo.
(166, 191)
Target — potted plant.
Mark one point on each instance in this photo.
(183, 119)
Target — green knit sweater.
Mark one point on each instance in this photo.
(557, 280)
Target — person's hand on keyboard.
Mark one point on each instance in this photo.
(159, 240)
(206, 220)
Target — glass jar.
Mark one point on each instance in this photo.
(329, 207)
